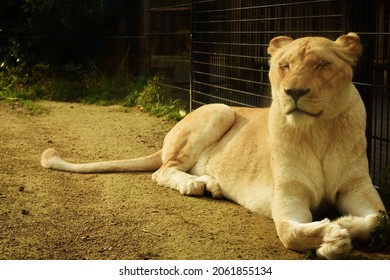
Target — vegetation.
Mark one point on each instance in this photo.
(87, 84)
(50, 49)
(158, 100)
(380, 236)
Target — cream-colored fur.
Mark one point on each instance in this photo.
(306, 152)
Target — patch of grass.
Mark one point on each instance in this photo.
(380, 236)
(89, 85)
(32, 108)
(157, 100)
(310, 254)
(28, 106)
(20, 81)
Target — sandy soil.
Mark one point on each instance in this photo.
(47, 214)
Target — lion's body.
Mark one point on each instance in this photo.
(251, 183)
(305, 153)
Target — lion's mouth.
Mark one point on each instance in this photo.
(297, 110)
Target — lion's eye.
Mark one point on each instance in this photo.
(321, 65)
(285, 66)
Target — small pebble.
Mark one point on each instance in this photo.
(22, 188)
(50, 141)
(25, 212)
(84, 238)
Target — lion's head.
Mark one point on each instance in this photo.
(311, 77)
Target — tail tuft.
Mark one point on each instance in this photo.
(48, 156)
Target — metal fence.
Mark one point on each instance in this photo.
(215, 51)
(230, 39)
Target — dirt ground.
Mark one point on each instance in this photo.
(47, 214)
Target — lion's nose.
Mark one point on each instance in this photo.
(296, 93)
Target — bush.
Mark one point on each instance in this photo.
(158, 100)
(87, 84)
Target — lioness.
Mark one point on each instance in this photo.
(290, 161)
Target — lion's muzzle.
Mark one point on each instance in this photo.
(296, 93)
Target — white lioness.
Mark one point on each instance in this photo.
(290, 161)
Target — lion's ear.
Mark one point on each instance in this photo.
(278, 42)
(351, 46)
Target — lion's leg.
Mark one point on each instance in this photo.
(186, 142)
(297, 231)
(360, 207)
(187, 184)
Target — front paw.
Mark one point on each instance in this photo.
(336, 243)
(193, 187)
(211, 185)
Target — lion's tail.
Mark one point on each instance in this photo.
(51, 159)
